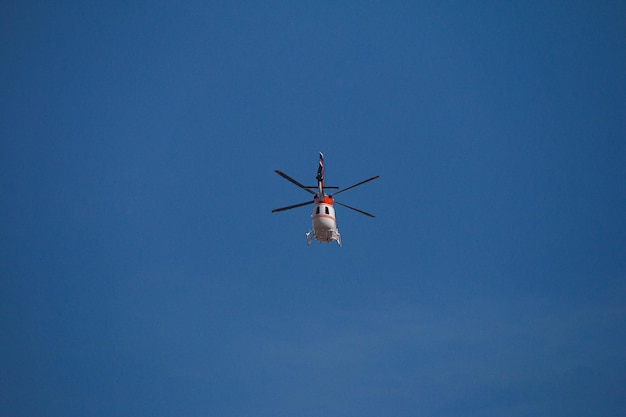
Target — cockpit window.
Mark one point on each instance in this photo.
(327, 211)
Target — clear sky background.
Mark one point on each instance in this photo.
(143, 273)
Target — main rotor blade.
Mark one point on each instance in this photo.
(291, 207)
(355, 185)
(355, 209)
(288, 178)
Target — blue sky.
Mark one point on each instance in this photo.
(143, 273)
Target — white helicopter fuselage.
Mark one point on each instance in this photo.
(324, 221)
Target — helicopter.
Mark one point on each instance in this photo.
(323, 216)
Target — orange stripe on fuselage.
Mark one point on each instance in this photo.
(327, 200)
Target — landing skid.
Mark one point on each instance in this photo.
(334, 236)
